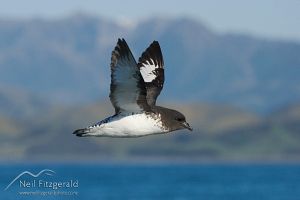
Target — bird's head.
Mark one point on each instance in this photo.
(173, 119)
(179, 121)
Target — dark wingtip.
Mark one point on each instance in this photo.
(152, 52)
(155, 42)
(121, 49)
(154, 48)
(121, 41)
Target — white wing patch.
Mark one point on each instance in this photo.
(148, 71)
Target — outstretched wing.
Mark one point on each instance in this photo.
(127, 88)
(151, 65)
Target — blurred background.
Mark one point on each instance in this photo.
(232, 67)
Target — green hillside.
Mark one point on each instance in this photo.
(220, 133)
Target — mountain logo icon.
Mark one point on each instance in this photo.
(47, 172)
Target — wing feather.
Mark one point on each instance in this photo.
(127, 88)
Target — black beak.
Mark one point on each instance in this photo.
(187, 126)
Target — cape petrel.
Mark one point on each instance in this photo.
(134, 89)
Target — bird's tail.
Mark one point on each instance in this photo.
(81, 132)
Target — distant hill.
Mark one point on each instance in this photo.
(220, 133)
(67, 61)
(18, 104)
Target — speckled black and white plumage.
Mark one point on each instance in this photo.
(151, 65)
(133, 92)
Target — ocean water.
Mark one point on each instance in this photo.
(151, 181)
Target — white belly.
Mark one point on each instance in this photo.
(129, 126)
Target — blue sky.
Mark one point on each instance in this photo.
(267, 18)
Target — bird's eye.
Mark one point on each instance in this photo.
(179, 119)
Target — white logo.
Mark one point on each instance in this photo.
(43, 186)
(48, 172)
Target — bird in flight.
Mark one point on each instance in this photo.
(134, 89)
